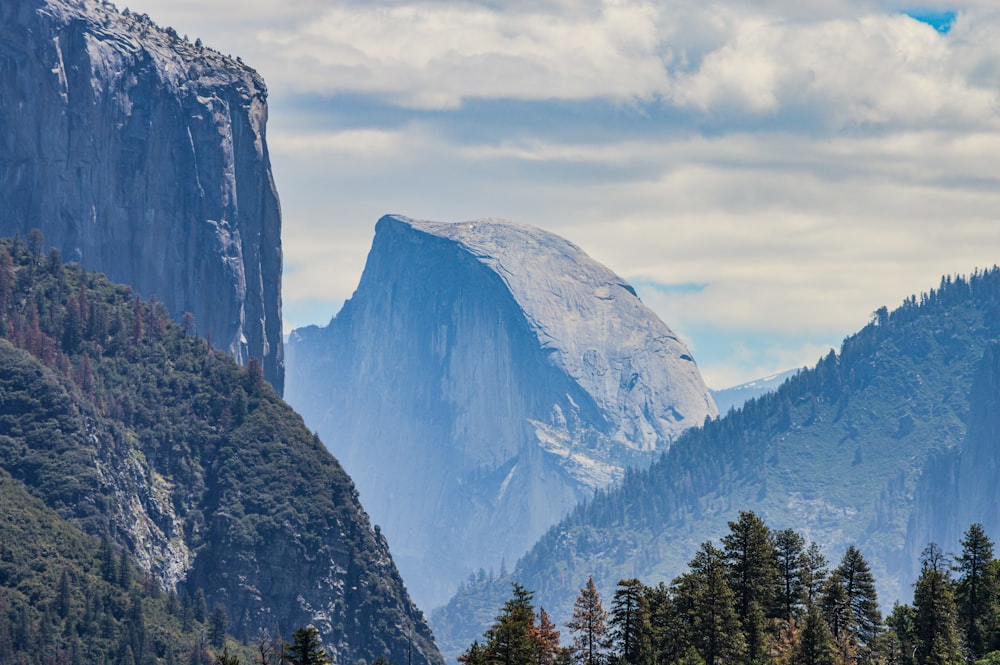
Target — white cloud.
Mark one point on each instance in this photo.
(437, 55)
(873, 70)
(835, 64)
(819, 159)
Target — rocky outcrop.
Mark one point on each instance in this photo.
(483, 379)
(143, 156)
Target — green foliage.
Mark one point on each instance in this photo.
(55, 602)
(935, 622)
(976, 590)
(117, 418)
(815, 645)
(629, 623)
(306, 648)
(696, 619)
(517, 636)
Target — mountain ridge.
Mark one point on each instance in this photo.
(132, 428)
(840, 446)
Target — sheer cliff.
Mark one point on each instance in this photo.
(144, 157)
(137, 432)
(959, 486)
(484, 378)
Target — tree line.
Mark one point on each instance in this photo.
(766, 597)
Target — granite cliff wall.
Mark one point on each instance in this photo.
(484, 378)
(143, 156)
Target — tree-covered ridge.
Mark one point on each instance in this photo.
(130, 425)
(839, 447)
(765, 597)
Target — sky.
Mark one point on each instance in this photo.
(766, 173)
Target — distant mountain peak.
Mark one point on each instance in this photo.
(592, 323)
(484, 378)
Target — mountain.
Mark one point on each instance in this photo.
(143, 156)
(843, 452)
(736, 396)
(483, 379)
(135, 431)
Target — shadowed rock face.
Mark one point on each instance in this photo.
(142, 156)
(483, 379)
(959, 487)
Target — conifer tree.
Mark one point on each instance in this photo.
(510, 641)
(836, 609)
(217, 627)
(668, 634)
(546, 639)
(901, 639)
(859, 588)
(589, 625)
(814, 574)
(791, 559)
(706, 606)
(306, 648)
(815, 645)
(629, 622)
(976, 590)
(753, 575)
(935, 621)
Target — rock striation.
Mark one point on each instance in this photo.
(143, 156)
(484, 378)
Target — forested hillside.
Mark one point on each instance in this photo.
(764, 596)
(135, 430)
(838, 448)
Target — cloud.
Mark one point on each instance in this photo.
(830, 66)
(804, 163)
(438, 55)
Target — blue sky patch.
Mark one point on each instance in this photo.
(940, 20)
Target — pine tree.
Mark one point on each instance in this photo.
(706, 608)
(814, 573)
(668, 635)
(546, 640)
(510, 641)
(629, 622)
(753, 575)
(836, 609)
(815, 645)
(306, 648)
(475, 655)
(976, 591)
(859, 587)
(791, 559)
(589, 624)
(900, 648)
(217, 627)
(935, 621)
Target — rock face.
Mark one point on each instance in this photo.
(959, 487)
(143, 156)
(483, 379)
